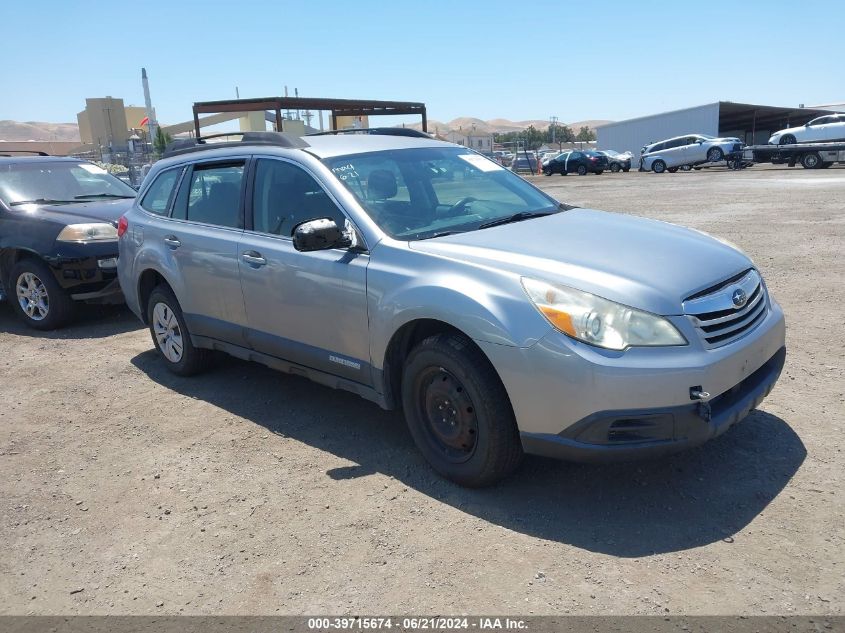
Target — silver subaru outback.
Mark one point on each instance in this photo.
(422, 275)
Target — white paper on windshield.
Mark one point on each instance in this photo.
(479, 162)
(93, 169)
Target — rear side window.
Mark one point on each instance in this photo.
(214, 194)
(158, 196)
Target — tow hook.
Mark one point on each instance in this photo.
(696, 393)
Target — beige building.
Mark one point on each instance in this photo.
(103, 123)
(478, 141)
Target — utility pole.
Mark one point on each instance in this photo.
(553, 121)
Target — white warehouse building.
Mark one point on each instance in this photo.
(752, 124)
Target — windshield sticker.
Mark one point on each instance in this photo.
(93, 169)
(345, 171)
(479, 162)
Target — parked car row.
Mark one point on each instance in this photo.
(475, 304)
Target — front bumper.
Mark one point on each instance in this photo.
(88, 272)
(574, 400)
(637, 434)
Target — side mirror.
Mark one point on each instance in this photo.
(319, 235)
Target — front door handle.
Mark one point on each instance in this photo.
(253, 258)
(172, 241)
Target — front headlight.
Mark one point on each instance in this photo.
(94, 232)
(598, 321)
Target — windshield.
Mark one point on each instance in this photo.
(425, 192)
(58, 181)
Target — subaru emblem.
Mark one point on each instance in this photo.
(739, 297)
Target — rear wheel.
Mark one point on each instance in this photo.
(715, 154)
(686, 167)
(658, 167)
(811, 161)
(39, 300)
(171, 336)
(672, 170)
(582, 170)
(458, 411)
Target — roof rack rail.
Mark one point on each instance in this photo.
(385, 131)
(9, 152)
(201, 144)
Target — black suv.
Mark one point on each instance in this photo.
(576, 161)
(58, 236)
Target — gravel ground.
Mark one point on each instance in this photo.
(126, 490)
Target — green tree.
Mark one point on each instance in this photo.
(161, 141)
(585, 134)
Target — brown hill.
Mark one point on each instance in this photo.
(38, 131)
(500, 126)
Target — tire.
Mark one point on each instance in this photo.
(787, 139)
(811, 161)
(169, 332)
(599, 172)
(686, 167)
(627, 169)
(547, 172)
(715, 154)
(672, 170)
(582, 170)
(36, 296)
(658, 166)
(476, 442)
(615, 168)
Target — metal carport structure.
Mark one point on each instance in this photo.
(337, 107)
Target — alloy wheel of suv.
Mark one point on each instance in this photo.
(458, 411)
(658, 166)
(582, 170)
(39, 300)
(715, 154)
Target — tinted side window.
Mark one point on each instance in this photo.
(214, 194)
(158, 196)
(656, 148)
(286, 195)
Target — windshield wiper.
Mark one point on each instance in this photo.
(101, 195)
(41, 201)
(516, 217)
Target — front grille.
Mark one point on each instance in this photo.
(717, 319)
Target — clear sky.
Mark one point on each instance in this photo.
(512, 59)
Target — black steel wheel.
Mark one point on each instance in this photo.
(458, 411)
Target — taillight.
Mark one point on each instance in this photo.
(122, 225)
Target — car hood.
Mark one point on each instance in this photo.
(94, 211)
(646, 264)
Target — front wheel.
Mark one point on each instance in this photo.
(615, 168)
(658, 167)
(787, 139)
(171, 336)
(39, 300)
(715, 154)
(547, 172)
(458, 411)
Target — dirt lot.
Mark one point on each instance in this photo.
(128, 490)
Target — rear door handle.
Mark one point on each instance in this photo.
(172, 241)
(253, 258)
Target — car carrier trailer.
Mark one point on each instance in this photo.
(808, 155)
